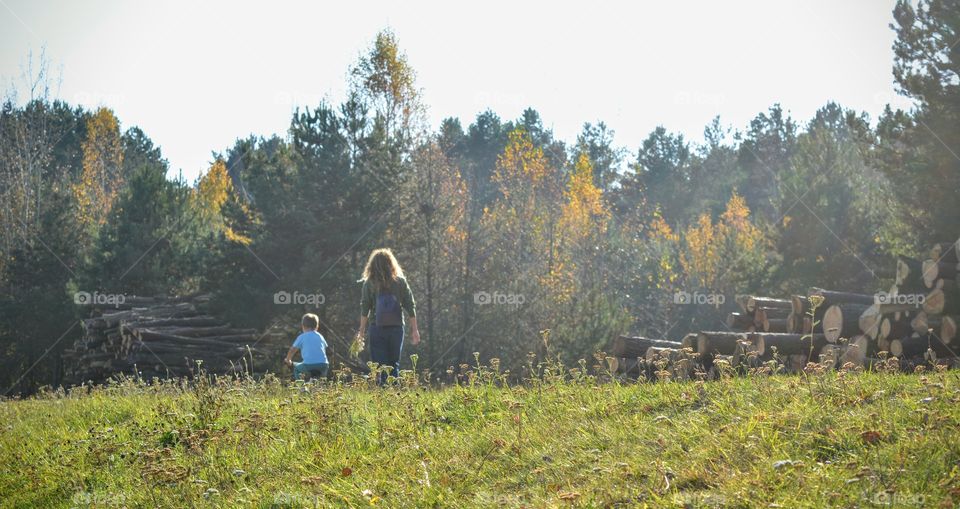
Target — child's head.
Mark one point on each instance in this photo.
(310, 322)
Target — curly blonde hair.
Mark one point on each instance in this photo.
(382, 268)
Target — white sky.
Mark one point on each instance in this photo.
(196, 75)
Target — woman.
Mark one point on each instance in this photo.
(385, 296)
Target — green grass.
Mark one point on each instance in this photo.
(825, 439)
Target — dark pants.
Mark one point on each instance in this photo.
(385, 346)
(313, 370)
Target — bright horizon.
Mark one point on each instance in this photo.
(197, 77)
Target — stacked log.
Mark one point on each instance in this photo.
(842, 320)
(771, 319)
(769, 345)
(755, 302)
(926, 346)
(833, 297)
(642, 357)
(627, 347)
(780, 329)
(740, 321)
(915, 320)
(164, 337)
(672, 363)
(906, 275)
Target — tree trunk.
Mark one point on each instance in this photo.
(832, 297)
(938, 302)
(909, 273)
(917, 345)
(712, 343)
(855, 351)
(739, 321)
(769, 312)
(945, 284)
(883, 345)
(788, 344)
(745, 354)
(689, 341)
(754, 302)
(759, 317)
(869, 320)
(934, 270)
(196, 332)
(792, 322)
(741, 301)
(945, 252)
(633, 347)
(775, 325)
(799, 305)
(948, 328)
(842, 320)
(893, 329)
(922, 323)
(830, 355)
(193, 321)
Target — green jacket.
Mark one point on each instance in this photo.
(399, 287)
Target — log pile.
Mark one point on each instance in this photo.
(643, 357)
(915, 320)
(165, 337)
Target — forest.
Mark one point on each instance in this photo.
(515, 243)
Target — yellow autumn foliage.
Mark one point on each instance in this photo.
(102, 174)
(521, 162)
(663, 241)
(583, 210)
(710, 248)
(209, 197)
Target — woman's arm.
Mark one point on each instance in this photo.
(363, 325)
(414, 331)
(365, 306)
(410, 306)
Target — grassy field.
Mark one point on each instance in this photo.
(821, 439)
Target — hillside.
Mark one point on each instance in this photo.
(812, 440)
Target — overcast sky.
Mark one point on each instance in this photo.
(195, 75)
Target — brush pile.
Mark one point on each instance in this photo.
(165, 337)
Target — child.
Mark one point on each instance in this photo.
(312, 347)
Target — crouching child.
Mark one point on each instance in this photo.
(312, 348)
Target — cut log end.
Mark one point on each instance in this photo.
(948, 329)
(930, 272)
(934, 302)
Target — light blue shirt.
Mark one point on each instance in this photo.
(312, 347)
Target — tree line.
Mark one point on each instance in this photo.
(515, 242)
